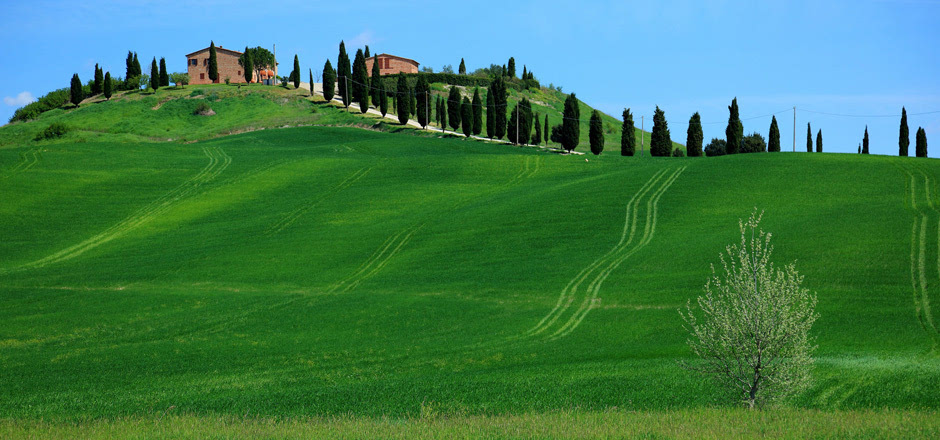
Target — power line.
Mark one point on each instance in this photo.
(867, 116)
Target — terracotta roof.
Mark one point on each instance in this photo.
(385, 55)
(217, 49)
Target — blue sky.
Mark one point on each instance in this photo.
(864, 57)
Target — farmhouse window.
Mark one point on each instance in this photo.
(239, 72)
(205, 61)
(192, 61)
(386, 63)
(202, 76)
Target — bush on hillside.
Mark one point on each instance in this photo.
(678, 152)
(203, 109)
(715, 148)
(53, 131)
(52, 100)
(753, 143)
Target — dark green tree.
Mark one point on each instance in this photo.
(865, 141)
(423, 95)
(261, 59)
(130, 65)
(249, 65)
(571, 123)
(511, 67)
(213, 63)
(443, 113)
(164, 76)
(453, 107)
(596, 133)
(137, 70)
(360, 82)
(904, 140)
(773, 144)
(342, 74)
(734, 132)
(383, 97)
(500, 105)
(525, 73)
(413, 100)
(154, 75)
(546, 130)
(462, 70)
(77, 94)
(403, 105)
(310, 72)
(477, 107)
(466, 117)
(329, 81)
(819, 141)
(753, 143)
(694, 136)
(537, 137)
(520, 123)
(920, 145)
(375, 79)
(490, 114)
(809, 138)
(367, 54)
(99, 79)
(107, 86)
(295, 75)
(660, 141)
(715, 148)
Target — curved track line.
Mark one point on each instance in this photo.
(921, 297)
(27, 160)
(296, 214)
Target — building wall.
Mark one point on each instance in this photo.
(228, 67)
(391, 65)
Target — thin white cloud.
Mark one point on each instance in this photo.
(364, 38)
(22, 99)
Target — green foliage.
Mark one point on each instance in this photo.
(423, 105)
(179, 78)
(49, 101)
(129, 64)
(773, 144)
(596, 133)
(383, 97)
(678, 152)
(537, 136)
(715, 148)
(490, 114)
(97, 86)
(107, 86)
(865, 141)
(694, 136)
(310, 80)
(921, 142)
(360, 82)
(213, 63)
(571, 127)
(329, 81)
(403, 106)
(627, 135)
(53, 131)
(462, 70)
(466, 117)
(164, 76)
(546, 130)
(660, 142)
(751, 329)
(511, 68)
(520, 123)
(248, 65)
(77, 94)
(442, 112)
(202, 109)
(904, 139)
(154, 75)
(819, 144)
(753, 143)
(809, 138)
(295, 75)
(367, 54)
(477, 108)
(734, 132)
(453, 107)
(376, 79)
(256, 59)
(342, 74)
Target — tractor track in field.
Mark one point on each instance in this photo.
(296, 214)
(921, 282)
(218, 162)
(560, 322)
(28, 159)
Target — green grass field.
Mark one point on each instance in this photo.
(343, 272)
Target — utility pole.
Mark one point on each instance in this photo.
(641, 135)
(794, 129)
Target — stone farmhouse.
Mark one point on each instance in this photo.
(197, 65)
(391, 64)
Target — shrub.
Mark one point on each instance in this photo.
(715, 148)
(196, 93)
(753, 143)
(52, 100)
(678, 152)
(203, 109)
(54, 130)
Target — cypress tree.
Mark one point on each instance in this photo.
(511, 69)
(375, 79)
(164, 76)
(342, 73)
(545, 129)
(99, 78)
(310, 71)
(571, 124)
(773, 144)
(443, 113)
(865, 141)
(660, 141)
(466, 117)
(106, 88)
(213, 63)
(453, 108)
(500, 105)
(137, 71)
(130, 65)
(249, 65)
(295, 75)
(329, 81)
(525, 73)
(77, 94)
(477, 107)
(920, 139)
(383, 97)
(366, 54)
(490, 113)
(596, 133)
(734, 133)
(463, 68)
(403, 107)
(905, 139)
(520, 123)
(537, 137)
(360, 82)
(154, 75)
(423, 95)
(694, 136)
(819, 141)
(412, 100)
(809, 138)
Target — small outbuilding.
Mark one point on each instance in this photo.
(391, 64)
